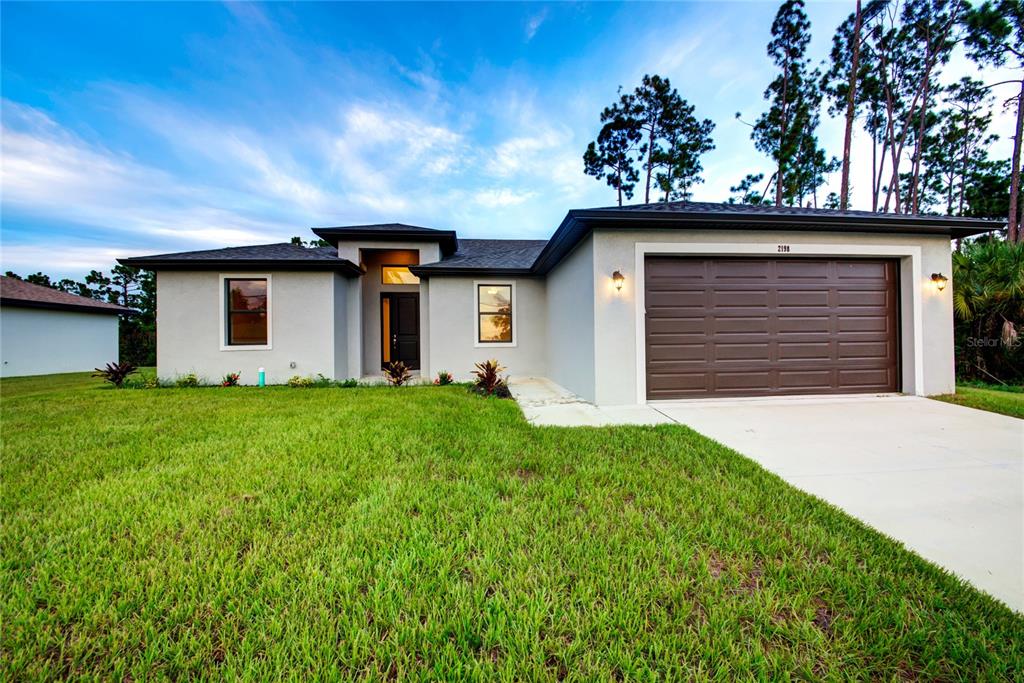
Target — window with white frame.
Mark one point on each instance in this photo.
(495, 313)
(246, 311)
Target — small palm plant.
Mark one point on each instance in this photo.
(115, 373)
(397, 373)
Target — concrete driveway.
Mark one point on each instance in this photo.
(945, 480)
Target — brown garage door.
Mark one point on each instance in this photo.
(765, 327)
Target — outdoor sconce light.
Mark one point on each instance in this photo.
(617, 279)
(939, 280)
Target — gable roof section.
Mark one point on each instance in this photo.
(390, 232)
(283, 256)
(21, 294)
(481, 256)
(578, 223)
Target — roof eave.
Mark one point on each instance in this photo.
(59, 306)
(447, 239)
(426, 271)
(579, 222)
(343, 266)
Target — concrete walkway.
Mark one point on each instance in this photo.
(946, 481)
(545, 403)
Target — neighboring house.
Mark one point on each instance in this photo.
(622, 305)
(45, 331)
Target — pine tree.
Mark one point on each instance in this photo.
(612, 156)
(779, 131)
(995, 35)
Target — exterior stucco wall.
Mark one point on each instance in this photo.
(303, 307)
(453, 327)
(570, 330)
(39, 342)
(926, 334)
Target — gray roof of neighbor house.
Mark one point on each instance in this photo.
(282, 256)
(537, 257)
(21, 294)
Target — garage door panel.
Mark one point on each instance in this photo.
(802, 270)
(864, 349)
(803, 298)
(859, 298)
(818, 380)
(740, 325)
(795, 351)
(753, 327)
(739, 298)
(748, 271)
(743, 352)
(678, 352)
(862, 270)
(803, 323)
(863, 323)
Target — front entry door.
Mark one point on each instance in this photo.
(400, 329)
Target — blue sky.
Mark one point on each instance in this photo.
(146, 128)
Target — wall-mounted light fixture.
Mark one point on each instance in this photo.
(618, 279)
(939, 280)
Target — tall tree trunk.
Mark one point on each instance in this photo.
(874, 170)
(650, 155)
(1013, 227)
(963, 178)
(783, 130)
(915, 191)
(844, 185)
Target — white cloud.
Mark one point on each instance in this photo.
(501, 197)
(50, 173)
(534, 23)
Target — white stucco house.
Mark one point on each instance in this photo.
(621, 305)
(44, 331)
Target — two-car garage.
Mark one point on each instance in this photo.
(770, 327)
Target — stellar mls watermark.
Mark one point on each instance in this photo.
(993, 342)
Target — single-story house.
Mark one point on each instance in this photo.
(45, 331)
(621, 305)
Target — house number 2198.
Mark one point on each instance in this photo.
(783, 248)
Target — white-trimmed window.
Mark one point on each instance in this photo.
(494, 306)
(245, 312)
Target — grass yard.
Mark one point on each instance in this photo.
(993, 398)
(424, 533)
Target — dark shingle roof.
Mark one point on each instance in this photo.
(15, 292)
(483, 254)
(383, 227)
(283, 255)
(724, 208)
(578, 223)
(389, 232)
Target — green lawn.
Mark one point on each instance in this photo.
(428, 533)
(1005, 400)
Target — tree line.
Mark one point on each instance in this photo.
(130, 287)
(929, 141)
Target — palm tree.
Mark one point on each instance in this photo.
(988, 301)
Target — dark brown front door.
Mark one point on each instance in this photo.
(765, 327)
(400, 328)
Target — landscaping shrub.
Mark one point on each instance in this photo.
(489, 381)
(349, 383)
(444, 378)
(189, 380)
(397, 373)
(299, 382)
(988, 300)
(115, 373)
(230, 379)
